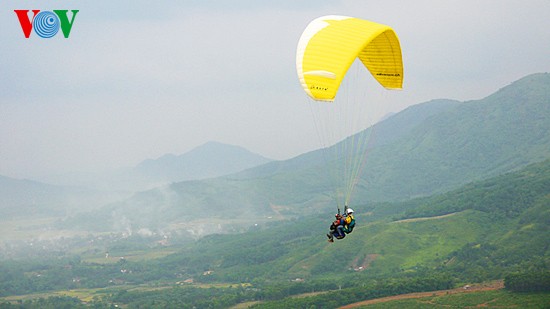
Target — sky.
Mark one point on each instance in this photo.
(139, 79)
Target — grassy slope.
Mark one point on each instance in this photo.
(384, 247)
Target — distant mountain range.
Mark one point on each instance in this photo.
(210, 160)
(32, 199)
(83, 192)
(428, 148)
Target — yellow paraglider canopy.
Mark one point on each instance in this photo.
(330, 44)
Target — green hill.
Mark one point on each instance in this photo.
(474, 140)
(484, 239)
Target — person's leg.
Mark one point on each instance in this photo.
(340, 232)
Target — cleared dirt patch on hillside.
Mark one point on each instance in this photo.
(425, 218)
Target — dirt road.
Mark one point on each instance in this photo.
(496, 285)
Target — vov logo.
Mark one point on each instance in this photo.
(46, 24)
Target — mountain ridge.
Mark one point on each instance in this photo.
(209, 160)
(460, 143)
(23, 197)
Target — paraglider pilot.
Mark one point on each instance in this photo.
(336, 229)
(342, 225)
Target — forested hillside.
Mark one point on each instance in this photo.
(475, 140)
(504, 219)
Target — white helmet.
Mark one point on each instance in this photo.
(350, 210)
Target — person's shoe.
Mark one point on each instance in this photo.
(331, 240)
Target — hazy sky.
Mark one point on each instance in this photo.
(139, 79)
